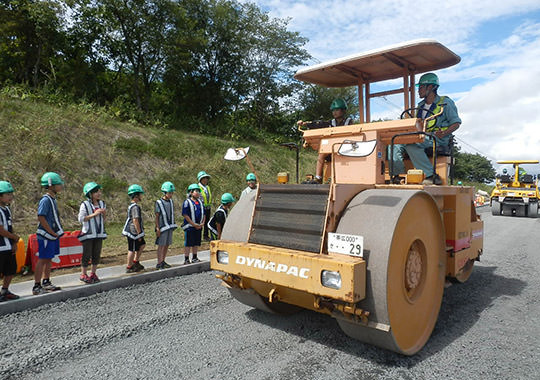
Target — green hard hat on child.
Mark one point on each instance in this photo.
(202, 174)
(167, 187)
(90, 187)
(428, 78)
(227, 198)
(338, 104)
(193, 186)
(5, 187)
(251, 177)
(134, 189)
(51, 178)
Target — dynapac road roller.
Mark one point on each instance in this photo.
(373, 255)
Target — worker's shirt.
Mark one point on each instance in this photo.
(344, 121)
(449, 115)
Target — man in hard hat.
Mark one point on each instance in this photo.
(251, 180)
(339, 112)
(442, 127)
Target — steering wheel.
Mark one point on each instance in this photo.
(408, 112)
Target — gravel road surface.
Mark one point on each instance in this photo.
(190, 328)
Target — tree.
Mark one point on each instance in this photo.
(315, 101)
(472, 167)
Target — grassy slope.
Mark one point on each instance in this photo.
(83, 144)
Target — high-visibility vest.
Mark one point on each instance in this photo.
(212, 224)
(431, 125)
(126, 231)
(191, 204)
(5, 221)
(56, 227)
(166, 221)
(347, 121)
(206, 195)
(93, 228)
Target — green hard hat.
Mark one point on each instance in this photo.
(202, 174)
(227, 198)
(5, 187)
(428, 78)
(167, 187)
(51, 178)
(135, 189)
(250, 177)
(338, 104)
(505, 171)
(193, 186)
(89, 187)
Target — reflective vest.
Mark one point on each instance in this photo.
(93, 228)
(435, 108)
(126, 231)
(206, 195)
(212, 223)
(5, 221)
(347, 121)
(192, 206)
(166, 222)
(57, 227)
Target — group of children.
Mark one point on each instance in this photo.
(92, 214)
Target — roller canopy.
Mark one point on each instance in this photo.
(392, 62)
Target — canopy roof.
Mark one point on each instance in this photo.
(412, 57)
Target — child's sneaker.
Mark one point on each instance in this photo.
(85, 278)
(195, 260)
(8, 296)
(186, 261)
(130, 269)
(49, 287)
(94, 278)
(38, 289)
(160, 265)
(165, 265)
(138, 266)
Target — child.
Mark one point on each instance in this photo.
(193, 212)
(134, 230)
(164, 223)
(48, 233)
(92, 218)
(216, 223)
(251, 185)
(206, 197)
(8, 242)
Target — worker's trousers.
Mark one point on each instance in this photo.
(417, 155)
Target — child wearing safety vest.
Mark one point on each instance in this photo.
(92, 217)
(134, 230)
(165, 224)
(48, 233)
(205, 197)
(193, 213)
(8, 242)
(216, 223)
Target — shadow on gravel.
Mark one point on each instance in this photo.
(461, 308)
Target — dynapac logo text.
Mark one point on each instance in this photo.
(272, 266)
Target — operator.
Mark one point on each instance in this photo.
(339, 112)
(442, 127)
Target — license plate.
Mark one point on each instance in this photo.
(352, 245)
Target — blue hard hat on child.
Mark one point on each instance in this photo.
(5, 187)
(202, 174)
(227, 198)
(193, 186)
(168, 187)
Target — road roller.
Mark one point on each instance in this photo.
(374, 255)
(515, 195)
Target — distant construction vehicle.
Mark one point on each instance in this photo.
(373, 255)
(515, 195)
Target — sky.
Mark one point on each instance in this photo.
(496, 86)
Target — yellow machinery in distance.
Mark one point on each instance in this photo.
(515, 195)
(372, 255)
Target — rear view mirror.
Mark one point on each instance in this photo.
(236, 154)
(357, 148)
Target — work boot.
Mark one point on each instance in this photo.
(432, 180)
(397, 180)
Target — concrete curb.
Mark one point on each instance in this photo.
(76, 290)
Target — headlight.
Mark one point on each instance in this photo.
(222, 257)
(331, 279)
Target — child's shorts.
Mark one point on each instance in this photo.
(48, 248)
(8, 263)
(135, 245)
(192, 237)
(165, 238)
